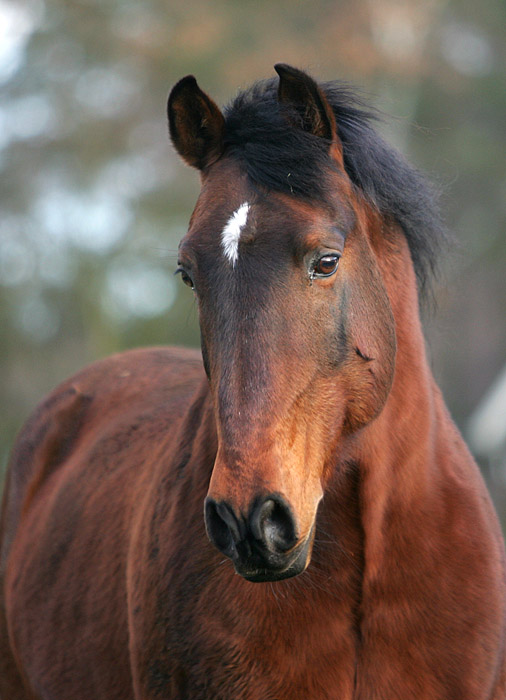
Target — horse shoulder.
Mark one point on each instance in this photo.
(441, 572)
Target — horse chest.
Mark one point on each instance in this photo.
(266, 650)
(225, 638)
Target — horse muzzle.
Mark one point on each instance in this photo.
(264, 545)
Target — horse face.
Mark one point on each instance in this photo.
(298, 343)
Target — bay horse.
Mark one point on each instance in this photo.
(298, 518)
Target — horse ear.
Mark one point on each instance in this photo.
(309, 109)
(196, 124)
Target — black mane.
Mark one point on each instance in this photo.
(291, 160)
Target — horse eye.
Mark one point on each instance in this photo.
(325, 266)
(185, 277)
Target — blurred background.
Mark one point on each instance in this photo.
(94, 200)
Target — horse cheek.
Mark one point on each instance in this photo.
(370, 365)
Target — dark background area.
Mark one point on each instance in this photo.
(94, 200)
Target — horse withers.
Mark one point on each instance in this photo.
(297, 517)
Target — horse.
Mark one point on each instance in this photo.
(290, 514)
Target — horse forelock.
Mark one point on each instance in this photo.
(280, 157)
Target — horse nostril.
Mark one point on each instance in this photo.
(223, 528)
(270, 525)
(273, 524)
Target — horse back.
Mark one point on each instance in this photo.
(150, 383)
(75, 477)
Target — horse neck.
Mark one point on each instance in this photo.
(402, 456)
(403, 438)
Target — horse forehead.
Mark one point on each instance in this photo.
(247, 217)
(231, 209)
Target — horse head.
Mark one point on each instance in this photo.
(297, 330)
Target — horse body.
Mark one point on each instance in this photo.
(86, 451)
(331, 473)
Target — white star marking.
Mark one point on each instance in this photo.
(232, 233)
